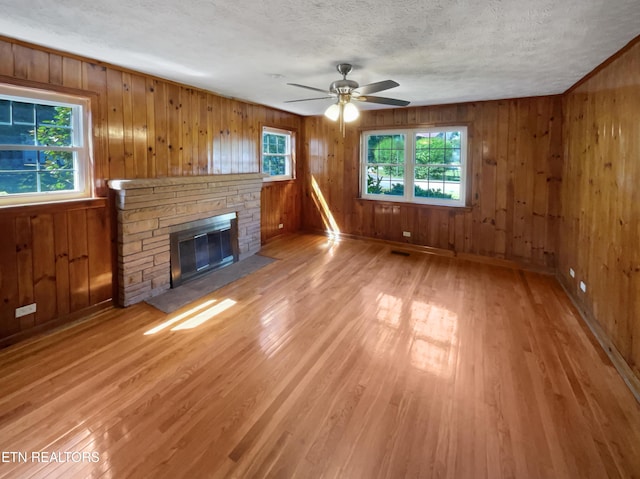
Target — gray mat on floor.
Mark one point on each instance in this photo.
(186, 293)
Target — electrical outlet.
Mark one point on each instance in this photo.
(280, 226)
(406, 234)
(572, 273)
(583, 286)
(24, 310)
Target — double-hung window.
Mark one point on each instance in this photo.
(277, 154)
(422, 165)
(44, 146)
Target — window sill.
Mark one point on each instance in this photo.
(419, 205)
(278, 180)
(54, 206)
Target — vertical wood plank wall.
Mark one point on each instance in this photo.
(600, 230)
(515, 154)
(144, 127)
(280, 206)
(58, 257)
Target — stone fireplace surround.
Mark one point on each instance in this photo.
(150, 209)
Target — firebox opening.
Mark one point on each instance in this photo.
(203, 246)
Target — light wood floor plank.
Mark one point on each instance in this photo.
(339, 360)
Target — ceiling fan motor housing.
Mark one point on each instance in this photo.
(343, 86)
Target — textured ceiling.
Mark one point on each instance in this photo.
(439, 51)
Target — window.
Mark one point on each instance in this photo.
(277, 156)
(426, 165)
(44, 153)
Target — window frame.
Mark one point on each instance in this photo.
(290, 161)
(410, 165)
(82, 147)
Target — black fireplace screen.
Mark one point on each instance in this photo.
(209, 246)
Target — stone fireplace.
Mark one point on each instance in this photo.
(151, 210)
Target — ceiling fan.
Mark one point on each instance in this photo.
(344, 91)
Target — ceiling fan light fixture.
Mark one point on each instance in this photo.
(333, 112)
(350, 112)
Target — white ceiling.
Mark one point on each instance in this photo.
(440, 51)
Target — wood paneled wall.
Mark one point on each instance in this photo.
(58, 257)
(280, 206)
(147, 127)
(144, 127)
(600, 230)
(515, 154)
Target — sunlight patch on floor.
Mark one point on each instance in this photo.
(205, 316)
(435, 337)
(389, 310)
(195, 316)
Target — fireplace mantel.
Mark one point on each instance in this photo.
(148, 210)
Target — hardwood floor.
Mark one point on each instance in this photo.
(338, 360)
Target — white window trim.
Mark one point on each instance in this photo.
(82, 144)
(409, 165)
(290, 165)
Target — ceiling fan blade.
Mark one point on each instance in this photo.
(376, 87)
(310, 88)
(382, 100)
(308, 99)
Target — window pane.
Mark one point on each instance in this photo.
(396, 189)
(453, 157)
(386, 149)
(438, 182)
(274, 165)
(35, 171)
(24, 113)
(17, 182)
(18, 160)
(385, 180)
(46, 114)
(433, 191)
(18, 172)
(452, 182)
(430, 149)
(5, 112)
(452, 175)
(54, 136)
(60, 180)
(273, 143)
(374, 180)
(453, 139)
(56, 160)
(54, 125)
(17, 135)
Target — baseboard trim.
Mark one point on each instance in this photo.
(623, 368)
(58, 324)
(476, 258)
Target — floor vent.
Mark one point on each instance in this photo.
(401, 253)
